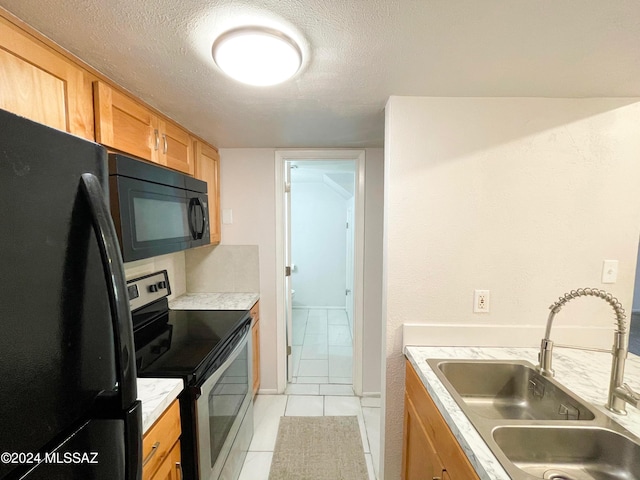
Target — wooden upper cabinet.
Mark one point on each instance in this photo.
(123, 124)
(207, 163)
(176, 148)
(128, 126)
(42, 85)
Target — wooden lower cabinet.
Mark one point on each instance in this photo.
(430, 450)
(171, 468)
(255, 339)
(161, 447)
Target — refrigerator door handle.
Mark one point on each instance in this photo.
(117, 289)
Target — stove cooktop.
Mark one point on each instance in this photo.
(188, 343)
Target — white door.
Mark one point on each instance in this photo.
(287, 258)
(349, 269)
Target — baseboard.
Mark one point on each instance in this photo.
(267, 391)
(468, 335)
(371, 394)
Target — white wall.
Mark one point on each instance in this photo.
(318, 244)
(248, 187)
(373, 234)
(522, 196)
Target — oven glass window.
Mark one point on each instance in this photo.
(160, 217)
(225, 401)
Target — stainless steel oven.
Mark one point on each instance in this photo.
(225, 416)
(211, 351)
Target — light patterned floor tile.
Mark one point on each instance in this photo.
(256, 466)
(305, 406)
(339, 335)
(302, 389)
(313, 368)
(336, 390)
(337, 317)
(319, 380)
(267, 411)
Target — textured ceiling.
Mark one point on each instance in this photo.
(357, 54)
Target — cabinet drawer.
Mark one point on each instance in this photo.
(160, 439)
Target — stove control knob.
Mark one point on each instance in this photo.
(162, 284)
(153, 288)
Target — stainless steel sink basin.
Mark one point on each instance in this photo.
(508, 390)
(535, 426)
(570, 452)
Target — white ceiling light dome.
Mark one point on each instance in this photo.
(257, 55)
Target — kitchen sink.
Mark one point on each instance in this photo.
(508, 390)
(570, 452)
(536, 427)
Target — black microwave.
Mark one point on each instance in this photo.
(156, 210)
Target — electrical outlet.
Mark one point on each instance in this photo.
(481, 301)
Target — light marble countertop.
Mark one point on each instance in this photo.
(584, 373)
(156, 394)
(214, 301)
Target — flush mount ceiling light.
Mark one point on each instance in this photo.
(257, 55)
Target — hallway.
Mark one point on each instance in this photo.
(322, 347)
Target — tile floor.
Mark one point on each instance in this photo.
(322, 347)
(310, 400)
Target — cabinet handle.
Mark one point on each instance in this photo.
(166, 147)
(179, 470)
(154, 450)
(157, 144)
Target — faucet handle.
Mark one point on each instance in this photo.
(633, 394)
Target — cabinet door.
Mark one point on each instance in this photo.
(38, 83)
(176, 149)
(123, 124)
(171, 468)
(208, 169)
(419, 458)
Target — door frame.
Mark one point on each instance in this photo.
(282, 156)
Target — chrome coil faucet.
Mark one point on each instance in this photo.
(619, 393)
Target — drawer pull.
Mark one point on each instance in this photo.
(179, 470)
(154, 450)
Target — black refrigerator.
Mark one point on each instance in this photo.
(68, 407)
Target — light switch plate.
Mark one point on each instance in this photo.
(227, 216)
(609, 271)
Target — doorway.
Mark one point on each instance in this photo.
(320, 235)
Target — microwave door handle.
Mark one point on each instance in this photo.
(116, 287)
(192, 219)
(203, 223)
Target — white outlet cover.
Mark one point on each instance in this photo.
(481, 301)
(609, 271)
